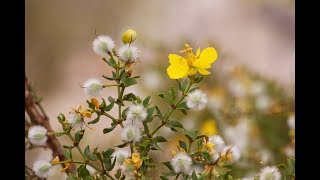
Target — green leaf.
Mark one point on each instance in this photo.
(109, 107)
(168, 164)
(291, 166)
(124, 113)
(191, 135)
(111, 62)
(159, 139)
(198, 79)
(79, 135)
(150, 113)
(66, 154)
(109, 166)
(194, 176)
(173, 93)
(107, 77)
(89, 178)
(107, 130)
(206, 156)
(161, 95)
(111, 99)
(88, 154)
(183, 145)
(146, 101)
(107, 153)
(173, 123)
(129, 82)
(58, 134)
(82, 171)
(95, 120)
(118, 174)
(90, 104)
(122, 145)
(72, 177)
(129, 97)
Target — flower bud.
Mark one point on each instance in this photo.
(129, 36)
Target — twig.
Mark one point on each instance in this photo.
(38, 117)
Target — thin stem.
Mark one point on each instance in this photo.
(177, 176)
(77, 146)
(120, 93)
(146, 128)
(109, 116)
(109, 85)
(131, 148)
(184, 94)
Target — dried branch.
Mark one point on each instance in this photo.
(38, 117)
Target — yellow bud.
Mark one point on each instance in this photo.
(129, 36)
(95, 102)
(67, 165)
(56, 160)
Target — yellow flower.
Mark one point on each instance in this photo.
(181, 67)
(95, 102)
(135, 159)
(209, 127)
(56, 160)
(129, 36)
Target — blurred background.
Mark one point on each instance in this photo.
(251, 89)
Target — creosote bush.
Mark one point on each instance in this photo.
(131, 159)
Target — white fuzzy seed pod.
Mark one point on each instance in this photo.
(131, 133)
(37, 135)
(269, 173)
(181, 162)
(75, 120)
(218, 142)
(41, 168)
(121, 155)
(93, 87)
(128, 53)
(136, 113)
(197, 100)
(102, 45)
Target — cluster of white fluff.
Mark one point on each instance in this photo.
(102, 45)
(93, 87)
(196, 100)
(218, 143)
(128, 53)
(291, 122)
(37, 135)
(121, 155)
(263, 102)
(233, 150)
(136, 113)
(269, 173)
(131, 133)
(75, 120)
(41, 168)
(91, 170)
(181, 162)
(128, 169)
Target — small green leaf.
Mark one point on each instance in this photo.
(183, 145)
(122, 145)
(206, 156)
(107, 77)
(82, 171)
(95, 120)
(168, 164)
(118, 174)
(111, 62)
(150, 113)
(79, 135)
(159, 139)
(66, 154)
(72, 177)
(88, 154)
(107, 153)
(194, 175)
(146, 101)
(107, 130)
(291, 166)
(198, 79)
(129, 82)
(173, 93)
(129, 97)
(61, 118)
(173, 123)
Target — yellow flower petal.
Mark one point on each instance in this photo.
(86, 114)
(56, 160)
(177, 71)
(176, 59)
(135, 157)
(138, 164)
(198, 53)
(206, 58)
(203, 71)
(192, 71)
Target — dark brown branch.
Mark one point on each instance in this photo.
(38, 117)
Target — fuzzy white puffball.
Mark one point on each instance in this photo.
(234, 151)
(136, 113)
(37, 135)
(41, 168)
(102, 45)
(218, 142)
(269, 173)
(121, 155)
(197, 100)
(128, 53)
(181, 162)
(131, 133)
(75, 120)
(93, 87)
